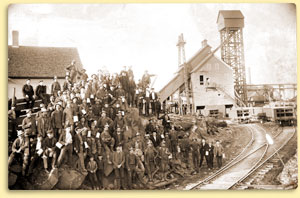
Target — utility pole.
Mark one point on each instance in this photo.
(182, 62)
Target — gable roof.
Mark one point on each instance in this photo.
(40, 62)
(230, 14)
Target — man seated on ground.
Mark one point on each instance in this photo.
(49, 150)
(20, 147)
(65, 144)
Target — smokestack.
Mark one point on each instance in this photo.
(15, 38)
(204, 43)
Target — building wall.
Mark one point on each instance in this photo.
(220, 75)
(18, 84)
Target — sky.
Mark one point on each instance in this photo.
(144, 36)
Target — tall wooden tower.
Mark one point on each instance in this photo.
(231, 23)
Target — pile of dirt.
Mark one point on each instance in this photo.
(289, 175)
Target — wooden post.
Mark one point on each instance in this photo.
(13, 101)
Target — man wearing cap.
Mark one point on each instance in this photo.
(41, 92)
(131, 164)
(118, 161)
(57, 120)
(49, 150)
(20, 147)
(29, 124)
(55, 87)
(28, 94)
(43, 123)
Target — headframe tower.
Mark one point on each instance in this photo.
(230, 25)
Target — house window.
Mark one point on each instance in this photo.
(201, 80)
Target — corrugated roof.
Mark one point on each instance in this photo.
(32, 61)
(230, 14)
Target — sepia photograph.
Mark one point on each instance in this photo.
(152, 96)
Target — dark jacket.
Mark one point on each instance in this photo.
(57, 119)
(27, 90)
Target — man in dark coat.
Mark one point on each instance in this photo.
(43, 124)
(55, 87)
(28, 94)
(156, 139)
(29, 124)
(57, 120)
(41, 92)
(203, 151)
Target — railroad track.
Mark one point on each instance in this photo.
(267, 158)
(255, 154)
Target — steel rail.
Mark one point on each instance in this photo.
(264, 161)
(231, 164)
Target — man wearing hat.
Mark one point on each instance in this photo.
(55, 87)
(28, 94)
(29, 124)
(43, 123)
(41, 92)
(20, 147)
(49, 150)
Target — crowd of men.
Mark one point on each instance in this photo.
(84, 120)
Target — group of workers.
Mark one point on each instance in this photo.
(83, 125)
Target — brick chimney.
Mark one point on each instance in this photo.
(15, 38)
(204, 43)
